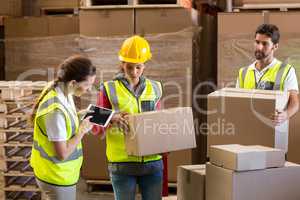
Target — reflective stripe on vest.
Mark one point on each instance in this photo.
(50, 101)
(276, 76)
(75, 155)
(46, 165)
(123, 100)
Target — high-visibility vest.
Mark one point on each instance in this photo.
(123, 100)
(46, 166)
(273, 79)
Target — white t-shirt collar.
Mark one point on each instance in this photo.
(272, 64)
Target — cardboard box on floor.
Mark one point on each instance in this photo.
(243, 158)
(268, 184)
(235, 50)
(175, 159)
(191, 182)
(11, 8)
(94, 158)
(238, 116)
(47, 26)
(106, 22)
(160, 131)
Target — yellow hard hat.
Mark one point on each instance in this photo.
(135, 50)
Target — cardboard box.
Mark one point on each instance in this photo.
(243, 158)
(1, 22)
(11, 7)
(63, 25)
(228, 125)
(48, 26)
(268, 184)
(294, 139)
(94, 165)
(160, 131)
(242, 2)
(161, 20)
(191, 182)
(106, 22)
(175, 159)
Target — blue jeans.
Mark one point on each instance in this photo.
(126, 176)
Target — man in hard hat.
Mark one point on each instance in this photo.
(268, 73)
(131, 92)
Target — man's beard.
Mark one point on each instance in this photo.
(260, 55)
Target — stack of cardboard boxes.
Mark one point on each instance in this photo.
(238, 172)
(250, 172)
(235, 46)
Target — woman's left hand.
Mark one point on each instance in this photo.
(120, 119)
(84, 112)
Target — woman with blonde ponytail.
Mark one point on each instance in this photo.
(56, 156)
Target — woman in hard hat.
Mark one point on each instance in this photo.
(56, 155)
(131, 92)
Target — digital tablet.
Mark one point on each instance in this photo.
(100, 116)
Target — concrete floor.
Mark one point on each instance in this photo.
(82, 194)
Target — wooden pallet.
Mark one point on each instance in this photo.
(17, 173)
(105, 186)
(13, 121)
(16, 152)
(16, 107)
(17, 168)
(22, 195)
(272, 7)
(18, 90)
(99, 185)
(14, 187)
(16, 138)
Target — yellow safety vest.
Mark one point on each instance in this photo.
(123, 100)
(273, 79)
(46, 166)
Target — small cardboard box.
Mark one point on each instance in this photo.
(240, 116)
(160, 131)
(48, 26)
(191, 182)
(268, 184)
(243, 158)
(162, 20)
(11, 8)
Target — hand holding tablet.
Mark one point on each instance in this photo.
(100, 116)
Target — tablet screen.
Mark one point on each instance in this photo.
(100, 116)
